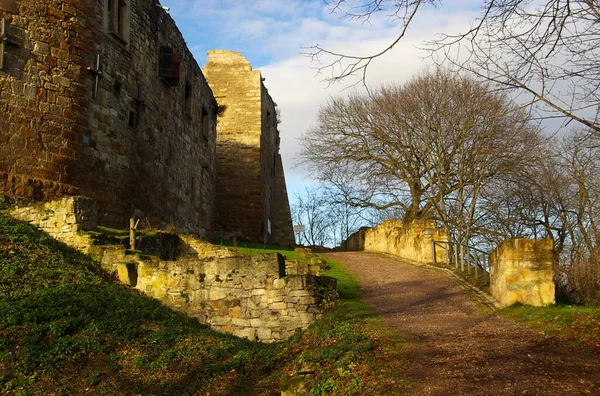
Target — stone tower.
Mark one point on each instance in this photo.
(251, 198)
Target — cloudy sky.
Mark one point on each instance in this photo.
(274, 34)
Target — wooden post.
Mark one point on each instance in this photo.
(132, 233)
(448, 252)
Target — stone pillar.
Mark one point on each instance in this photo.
(521, 271)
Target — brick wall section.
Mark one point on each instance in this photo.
(143, 157)
(238, 185)
(249, 188)
(38, 89)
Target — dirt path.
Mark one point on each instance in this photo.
(455, 349)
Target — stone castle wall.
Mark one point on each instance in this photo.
(283, 229)
(521, 270)
(251, 196)
(136, 145)
(412, 242)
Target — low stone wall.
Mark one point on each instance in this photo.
(521, 271)
(356, 241)
(412, 242)
(248, 296)
(63, 219)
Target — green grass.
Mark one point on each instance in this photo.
(356, 352)
(252, 248)
(577, 325)
(66, 327)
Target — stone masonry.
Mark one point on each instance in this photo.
(412, 242)
(250, 189)
(139, 139)
(103, 99)
(64, 219)
(260, 297)
(521, 270)
(248, 296)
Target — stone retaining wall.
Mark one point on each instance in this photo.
(248, 296)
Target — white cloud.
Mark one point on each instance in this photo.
(271, 34)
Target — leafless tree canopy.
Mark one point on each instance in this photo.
(426, 148)
(548, 50)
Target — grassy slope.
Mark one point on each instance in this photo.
(250, 248)
(66, 327)
(577, 325)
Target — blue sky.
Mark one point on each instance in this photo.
(272, 33)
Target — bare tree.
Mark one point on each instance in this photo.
(311, 211)
(557, 197)
(327, 216)
(549, 51)
(427, 147)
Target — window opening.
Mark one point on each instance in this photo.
(188, 99)
(132, 119)
(204, 123)
(168, 66)
(117, 14)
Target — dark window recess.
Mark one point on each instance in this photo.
(188, 99)
(10, 36)
(204, 123)
(132, 119)
(117, 17)
(169, 66)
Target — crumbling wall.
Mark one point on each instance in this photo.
(283, 229)
(248, 296)
(238, 178)
(134, 141)
(64, 219)
(356, 241)
(521, 271)
(260, 297)
(412, 242)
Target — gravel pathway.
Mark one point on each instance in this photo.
(454, 348)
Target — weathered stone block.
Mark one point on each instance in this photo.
(277, 305)
(248, 333)
(521, 270)
(217, 293)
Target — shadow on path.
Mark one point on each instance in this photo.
(454, 349)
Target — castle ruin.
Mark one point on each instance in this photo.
(104, 100)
